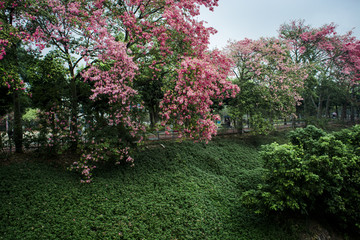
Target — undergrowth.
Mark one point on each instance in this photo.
(174, 191)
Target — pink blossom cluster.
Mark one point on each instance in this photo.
(19, 29)
(199, 82)
(352, 60)
(83, 166)
(3, 45)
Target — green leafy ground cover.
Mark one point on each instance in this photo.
(182, 191)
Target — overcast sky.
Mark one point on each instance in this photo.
(239, 19)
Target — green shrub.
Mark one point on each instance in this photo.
(306, 136)
(351, 137)
(285, 170)
(316, 172)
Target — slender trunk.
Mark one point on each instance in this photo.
(352, 113)
(306, 114)
(248, 120)
(151, 116)
(18, 131)
(73, 105)
(319, 108)
(271, 120)
(327, 107)
(54, 131)
(336, 111)
(352, 107)
(9, 131)
(343, 112)
(296, 118)
(314, 105)
(154, 115)
(240, 124)
(293, 122)
(74, 115)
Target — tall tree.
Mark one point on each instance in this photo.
(322, 50)
(124, 45)
(12, 32)
(264, 67)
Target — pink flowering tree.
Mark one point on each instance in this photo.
(115, 50)
(270, 81)
(13, 31)
(324, 52)
(160, 44)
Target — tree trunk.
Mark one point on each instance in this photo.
(306, 114)
(74, 109)
(352, 107)
(343, 112)
(316, 107)
(240, 124)
(327, 107)
(18, 131)
(9, 130)
(337, 111)
(154, 115)
(293, 122)
(319, 108)
(352, 113)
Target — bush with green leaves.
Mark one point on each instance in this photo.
(351, 137)
(315, 173)
(306, 136)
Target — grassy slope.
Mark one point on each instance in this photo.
(182, 191)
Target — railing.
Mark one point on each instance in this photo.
(6, 145)
(172, 135)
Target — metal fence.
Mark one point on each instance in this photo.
(7, 145)
(172, 135)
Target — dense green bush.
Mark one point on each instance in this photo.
(350, 137)
(315, 172)
(306, 137)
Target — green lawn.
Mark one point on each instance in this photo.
(182, 191)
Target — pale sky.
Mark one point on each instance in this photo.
(239, 19)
